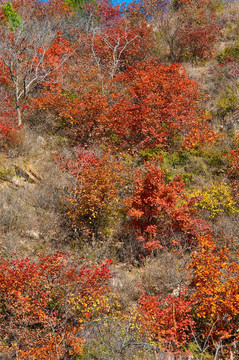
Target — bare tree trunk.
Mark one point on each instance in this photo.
(19, 115)
(18, 108)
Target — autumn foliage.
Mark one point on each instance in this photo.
(199, 30)
(160, 213)
(206, 311)
(159, 107)
(92, 198)
(7, 117)
(44, 305)
(119, 139)
(168, 321)
(215, 293)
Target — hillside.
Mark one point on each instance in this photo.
(119, 180)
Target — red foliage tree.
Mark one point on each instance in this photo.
(189, 28)
(206, 312)
(44, 305)
(92, 199)
(167, 321)
(159, 212)
(31, 53)
(199, 29)
(126, 43)
(215, 285)
(82, 115)
(160, 106)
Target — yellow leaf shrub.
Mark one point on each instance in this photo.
(215, 199)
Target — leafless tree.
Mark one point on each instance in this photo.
(23, 55)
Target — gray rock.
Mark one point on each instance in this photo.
(18, 181)
(33, 234)
(41, 141)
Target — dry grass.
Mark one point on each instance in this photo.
(31, 213)
(165, 273)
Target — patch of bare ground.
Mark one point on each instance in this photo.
(165, 273)
(31, 219)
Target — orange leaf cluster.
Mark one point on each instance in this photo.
(44, 305)
(92, 198)
(159, 212)
(215, 283)
(160, 106)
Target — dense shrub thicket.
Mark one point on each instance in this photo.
(132, 114)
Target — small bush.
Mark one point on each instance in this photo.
(216, 199)
(6, 173)
(227, 100)
(227, 53)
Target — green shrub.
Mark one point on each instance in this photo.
(151, 153)
(12, 16)
(180, 158)
(227, 100)
(79, 4)
(6, 173)
(227, 53)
